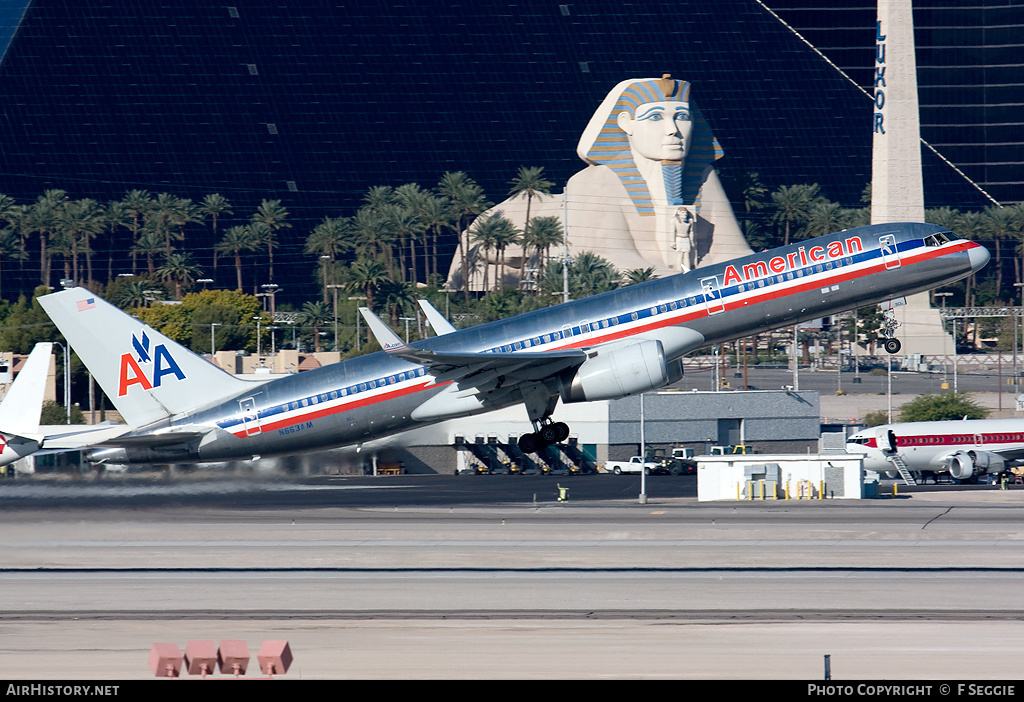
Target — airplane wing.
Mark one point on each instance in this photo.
(453, 366)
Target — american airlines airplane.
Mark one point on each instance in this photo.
(181, 408)
(965, 448)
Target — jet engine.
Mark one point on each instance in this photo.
(964, 465)
(620, 371)
(143, 454)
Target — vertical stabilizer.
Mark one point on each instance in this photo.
(146, 375)
(19, 412)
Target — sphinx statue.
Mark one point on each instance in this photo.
(649, 197)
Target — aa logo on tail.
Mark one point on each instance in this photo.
(160, 361)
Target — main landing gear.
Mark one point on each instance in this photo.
(888, 328)
(546, 435)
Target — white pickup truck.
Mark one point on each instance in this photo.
(630, 466)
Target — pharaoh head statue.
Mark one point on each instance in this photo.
(655, 139)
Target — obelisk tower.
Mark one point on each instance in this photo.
(897, 188)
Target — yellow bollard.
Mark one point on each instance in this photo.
(821, 490)
(739, 492)
(894, 489)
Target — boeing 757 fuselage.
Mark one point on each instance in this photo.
(627, 341)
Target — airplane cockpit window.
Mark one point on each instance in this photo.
(937, 239)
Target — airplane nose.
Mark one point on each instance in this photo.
(979, 256)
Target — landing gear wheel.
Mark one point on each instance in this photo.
(892, 346)
(549, 434)
(528, 443)
(563, 431)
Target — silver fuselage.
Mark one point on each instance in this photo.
(375, 395)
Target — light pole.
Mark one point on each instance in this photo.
(213, 339)
(357, 297)
(259, 338)
(271, 290)
(407, 320)
(643, 455)
(67, 384)
(1017, 313)
(945, 354)
(334, 289)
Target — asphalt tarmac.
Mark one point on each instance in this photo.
(441, 577)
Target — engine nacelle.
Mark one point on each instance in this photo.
(621, 371)
(960, 465)
(143, 454)
(963, 465)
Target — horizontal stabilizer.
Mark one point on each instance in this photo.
(78, 436)
(440, 325)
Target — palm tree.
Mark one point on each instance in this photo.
(272, 215)
(166, 211)
(80, 221)
(505, 235)
(413, 200)
(214, 205)
(330, 239)
(530, 181)
(435, 213)
(468, 201)
(373, 235)
(366, 275)
(638, 275)
(1000, 223)
(542, 234)
(131, 292)
(591, 274)
(137, 203)
(971, 226)
(150, 243)
(792, 204)
(402, 221)
(181, 269)
(10, 247)
(823, 217)
(396, 296)
(315, 315)
(236, 241)
(482, 233)
(42, 218)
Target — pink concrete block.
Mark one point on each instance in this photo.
(200, 657)
(275, 657)
(233, 656)
(165, 660)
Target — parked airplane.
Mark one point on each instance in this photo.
(627, 341)
(21, 434)
(964, 448)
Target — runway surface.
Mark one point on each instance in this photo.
(443, 577)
